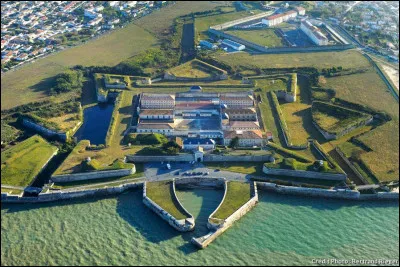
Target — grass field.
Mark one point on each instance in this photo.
(253, 168)
(194, 69)
(365, 88)
(203, 23)
(264, 37)
(346, 59)
(162, 194)
(22, 163)
(66, 121)
(31, 82)
(237, 194)
(384, 159)
(160, 21)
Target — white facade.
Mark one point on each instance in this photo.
(314, 33)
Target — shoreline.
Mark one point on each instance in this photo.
(262, 186)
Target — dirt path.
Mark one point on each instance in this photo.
(393, 74)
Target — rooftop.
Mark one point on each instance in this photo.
(254, 134)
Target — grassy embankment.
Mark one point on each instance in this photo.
(162, 194)
(368, 89)
(32, 81)
(237, 194)
(22, 163)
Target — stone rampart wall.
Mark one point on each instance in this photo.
(306, 174)
(217, 230)
(64, 194)
(220, 158)
(62, 178)
(180, 225)
(43, 130)
(312, 192)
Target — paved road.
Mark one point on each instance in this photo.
(158, 172)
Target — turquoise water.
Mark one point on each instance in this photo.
(120, 230)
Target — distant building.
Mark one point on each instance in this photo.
(208, 45)
(314, 33)
(300, 10)
(279, 18)
(233, 45)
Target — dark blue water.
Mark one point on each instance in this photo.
(96, 121)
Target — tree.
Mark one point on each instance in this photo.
(234, 143)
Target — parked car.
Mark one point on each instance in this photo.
(217, 170)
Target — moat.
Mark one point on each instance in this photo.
(95, 123)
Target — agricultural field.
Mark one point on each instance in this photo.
(346, 59)
(160, 21)
(22, 163)
(364, 88)
(32, 81)
(237, 194)
(264, 37)
(162, 194)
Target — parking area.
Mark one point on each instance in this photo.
(159, 171)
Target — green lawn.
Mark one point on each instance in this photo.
(31, 82)
(346, 59)
(22, 163)
(264, 37)
(162, 194)
(254, 168)
(238, 193)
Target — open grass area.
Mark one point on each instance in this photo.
(383, 160)
(113, 181)
(320, 60)
(160, 21)
(253, 168)
(195, 69)
(11, 191)
(237, 194)
(364, 88)
(22, 163)
(65, 121)
(31, 82)
(203, 23)
(162, 194)
(264, 37)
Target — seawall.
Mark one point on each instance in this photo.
(306, 174)
(68, 194)
(183, 225)
(217, 230)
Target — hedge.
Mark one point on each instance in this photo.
(281, 119)
(146, 139)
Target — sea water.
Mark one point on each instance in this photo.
(120, 230)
